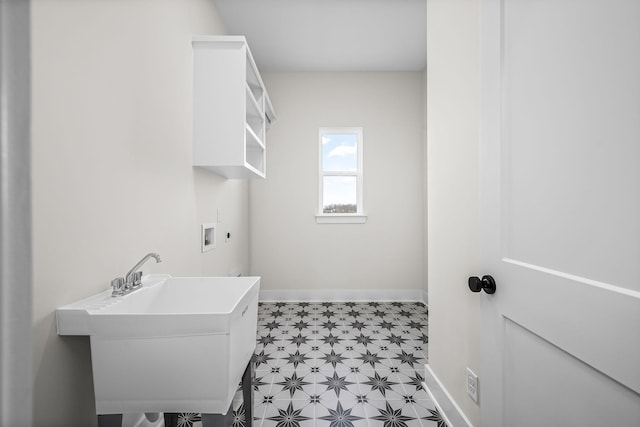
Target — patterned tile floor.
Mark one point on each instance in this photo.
(339, 365)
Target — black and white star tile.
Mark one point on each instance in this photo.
(339, 364)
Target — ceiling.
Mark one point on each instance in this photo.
(331, 35)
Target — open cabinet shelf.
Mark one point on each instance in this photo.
(232, 110)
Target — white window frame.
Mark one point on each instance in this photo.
(341, 218)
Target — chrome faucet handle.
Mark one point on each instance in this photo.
(136, 279)
(117, 285)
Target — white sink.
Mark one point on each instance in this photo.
(178, 344)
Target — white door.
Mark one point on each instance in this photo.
(560, 212)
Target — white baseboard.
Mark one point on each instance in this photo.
(343, 295)
(449, 409)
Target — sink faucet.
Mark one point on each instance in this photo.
(130, 277)
(133, 279)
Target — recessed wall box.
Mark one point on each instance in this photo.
(208, 236)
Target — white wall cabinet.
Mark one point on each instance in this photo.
(232, 110)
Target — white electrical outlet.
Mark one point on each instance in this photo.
(472, 385)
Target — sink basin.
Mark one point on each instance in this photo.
(178, 344)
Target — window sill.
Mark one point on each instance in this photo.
(341, 219)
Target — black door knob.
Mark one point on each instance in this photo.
(487, 283)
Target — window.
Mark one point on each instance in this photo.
(340, 178)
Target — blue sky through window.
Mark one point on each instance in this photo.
(339, 152)
(339, 190)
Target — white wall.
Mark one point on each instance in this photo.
(112, 174)
(288, 249)
(452, 140)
